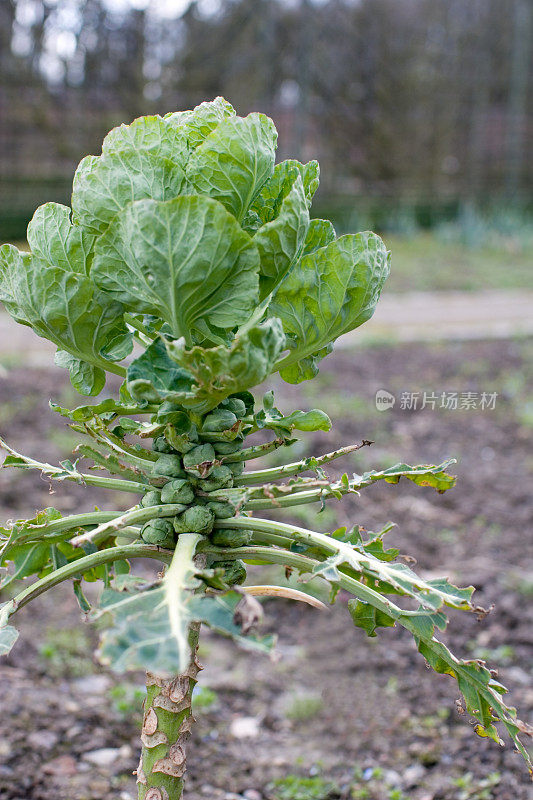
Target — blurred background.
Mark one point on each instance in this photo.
(420, 112)
(421, 115)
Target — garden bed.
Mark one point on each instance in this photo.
(356, 717)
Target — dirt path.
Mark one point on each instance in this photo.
(408, 317)
(428, 316)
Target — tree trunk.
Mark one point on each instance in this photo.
(166, 726)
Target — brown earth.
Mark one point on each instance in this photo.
(364, 714)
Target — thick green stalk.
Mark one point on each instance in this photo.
(166, 727)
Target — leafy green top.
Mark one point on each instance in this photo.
(185, 235)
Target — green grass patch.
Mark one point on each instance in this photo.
(293, 787)
(427, 261)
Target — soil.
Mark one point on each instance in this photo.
(364, 717)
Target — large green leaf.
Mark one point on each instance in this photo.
(234, 161)
(279, 242)
(149, 628)
(197, 124)
(329, 292)
(185, 260)
(104, 185)
(67, 309)
(151, 134)
(54, 239)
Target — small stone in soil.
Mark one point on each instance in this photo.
(92, 684)
(105, 757)
(251, 794)
(43, 740)
(62, 766)
(244, 727)
(413, 775)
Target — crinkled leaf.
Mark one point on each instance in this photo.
(108, 409)
(369, 617)
(482, 693)
(154, 375)
(328, 293)
(11, 264)
(28, 559)
(202, 120)
(149, 628)
(151, 134)
(234, 161)
(320, 233)
(105, 185)
(53, 238)
(85, 378)
(434, 476)
(279, 242)
(220, 371)
(8, 637)
(22, 526)
(429, 595)
(268, 204)
(314, 420)
(141, 636)
(185, 260)
(64, 307)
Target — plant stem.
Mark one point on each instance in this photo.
(276, 473)
(166, 726)
(81, 565)
(61, 474)
(294, 498)
(131, 517)
(135, 323)
(256, 451)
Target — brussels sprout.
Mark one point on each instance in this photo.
(203, 454)
(226, 448)
(235, 405)
(160, 445)
(177, 491)
(231, 537)
(234, 571)
(236, 467)
(195, 519)
(219, 420)
(222, 510)
(219, 478)
(247, 398)
(151, 498)
(169, 466)
(158, 531)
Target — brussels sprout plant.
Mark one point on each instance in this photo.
(189, 266)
